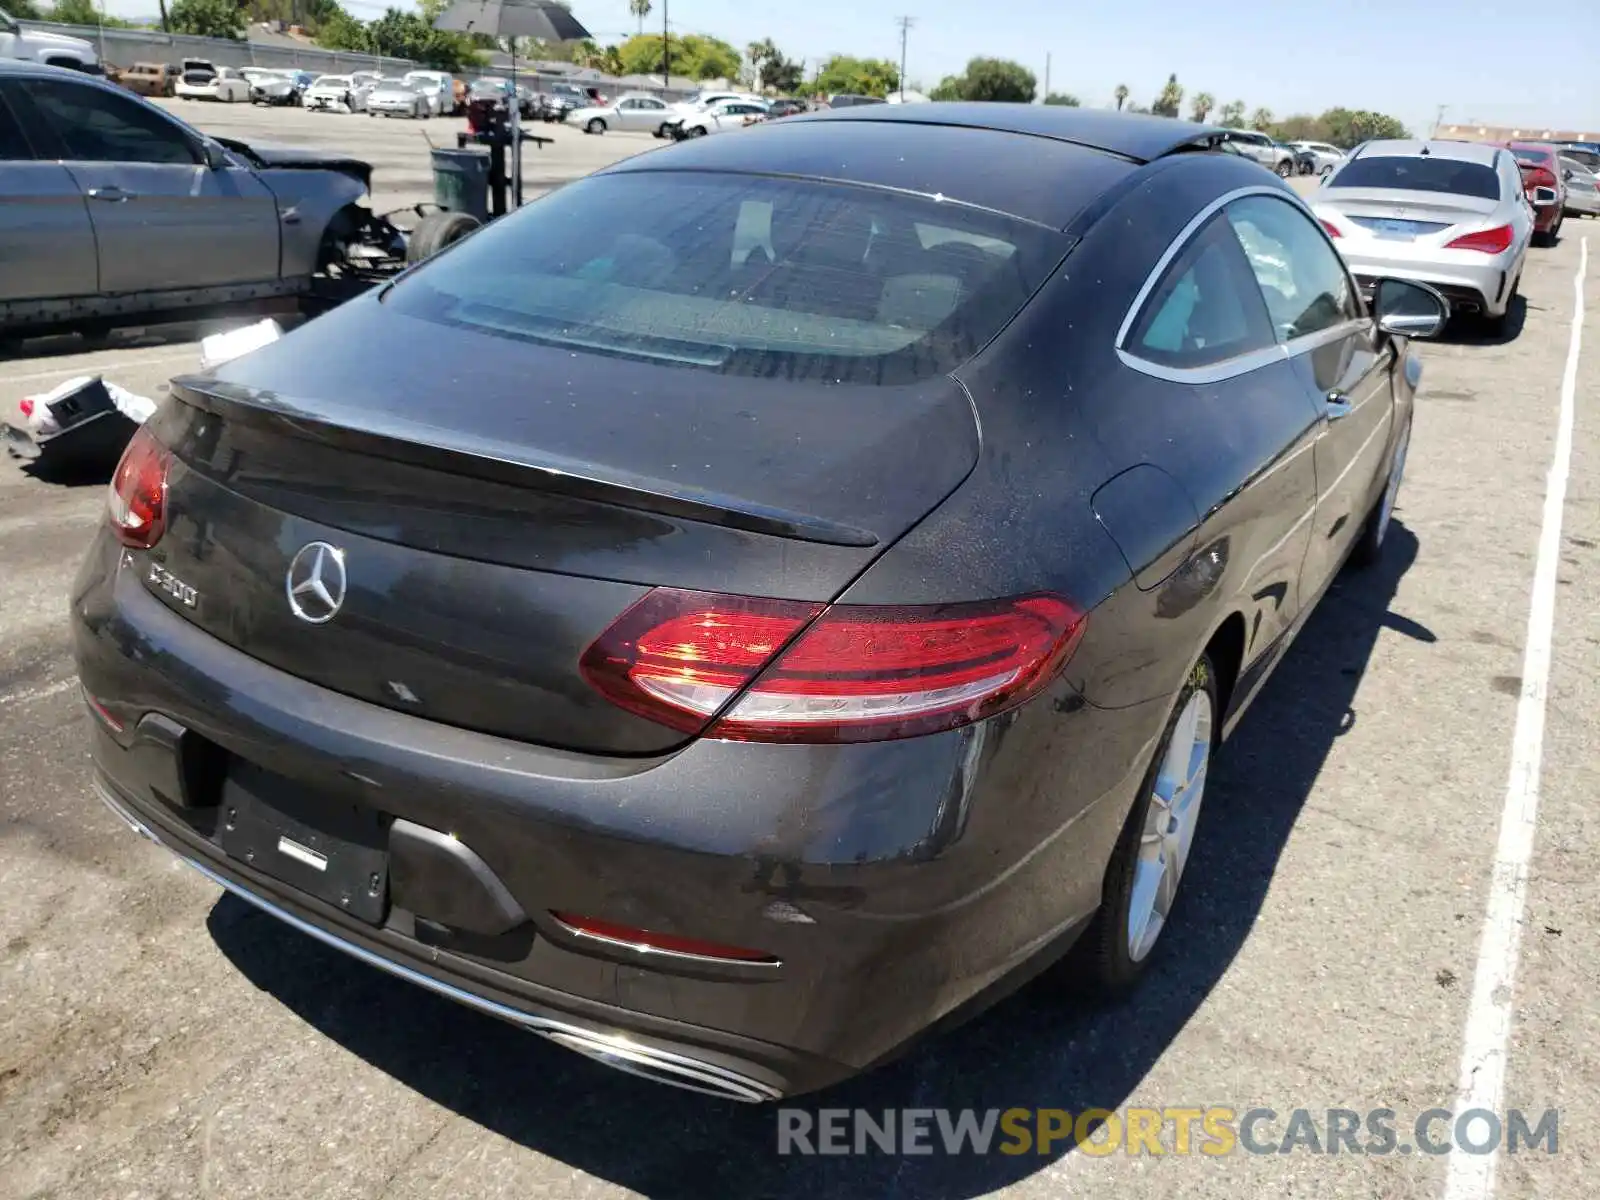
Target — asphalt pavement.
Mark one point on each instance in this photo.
(158, 1039)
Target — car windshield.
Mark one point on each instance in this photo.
(1531, 157)
(743, 275)
(1418, 174)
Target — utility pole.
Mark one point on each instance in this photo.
(666, 51)
(1439, 119)
(905, 24)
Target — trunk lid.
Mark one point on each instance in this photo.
(495, 505)
(1442, 209)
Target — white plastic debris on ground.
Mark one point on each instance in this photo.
(225, 347)
(33, 413)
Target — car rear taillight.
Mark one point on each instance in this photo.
(1489, 241)
(137, 498)
(765, 670)
(1533, 177)
(1329, 228)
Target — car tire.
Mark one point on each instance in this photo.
(1119, 943)
(1374, 533)
(438, 230)
(663, 131)
(1285, 169)
(695, 131)
(595, 125)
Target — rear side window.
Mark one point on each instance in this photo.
(1419, 174)
(743, 275)
(1206, 307)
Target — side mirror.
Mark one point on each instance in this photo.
(215, 156)
(1407, 309)
(1544, 196)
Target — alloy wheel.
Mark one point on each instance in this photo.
(1169, 824)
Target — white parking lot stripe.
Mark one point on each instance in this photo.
(1488, 1027)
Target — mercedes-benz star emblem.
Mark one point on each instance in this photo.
(315, 583)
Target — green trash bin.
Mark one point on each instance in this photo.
(461, 181)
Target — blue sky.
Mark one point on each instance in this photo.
(1493, 62)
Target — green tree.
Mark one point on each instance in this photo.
(989, 79)
(639, 9)
(1232, 114)
(343, 32)
(1261, 120)
(25, 10)
(1200, 107)
(1064, 99)
(1121, 95)
(693, 56)
(83, 12)
(775, 71)
(1170, 101)
(399, 34)
(859, 76)
(207, 18)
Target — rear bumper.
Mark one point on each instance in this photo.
(897, 883)
(1471, 281)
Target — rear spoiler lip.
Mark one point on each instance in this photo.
(436, 448)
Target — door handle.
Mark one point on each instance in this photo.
(112, 193)
(1338, 406)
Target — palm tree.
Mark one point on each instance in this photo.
(1261, 119)
(640, 9)
(1171, 99)
(1200, 107)
(1122, 95)
(1232, 114)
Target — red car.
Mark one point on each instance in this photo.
(1541, 169)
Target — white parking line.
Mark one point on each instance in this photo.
(1488, 1029)
(101, 368)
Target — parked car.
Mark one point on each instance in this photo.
(1583, 198)
(204, 80)
(1320, 157)
(786, 107)
(1274, 156)
(439, 87)
(503, 90)
(635, 111)
(53, 49)
(1541, 173)
(722, 117)
(850, 100)
(150, 79)
(145, 216)
(702, 101)
(1585, 154)
(400, 98)
(707, 748)
(1448, 214)
(329, 93)
(279, 88)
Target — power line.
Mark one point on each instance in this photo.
(905, 24)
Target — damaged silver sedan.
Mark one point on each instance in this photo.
(114, 212)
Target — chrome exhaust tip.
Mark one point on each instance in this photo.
(675, 1070)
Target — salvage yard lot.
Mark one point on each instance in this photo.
(157, 1040)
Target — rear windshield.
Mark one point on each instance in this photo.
(1534, 158)
(1420, 175)
(743, 275)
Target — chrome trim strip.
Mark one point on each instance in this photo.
(1308, 342)
(613, 1050)
(1178, 245)
(1227, 368)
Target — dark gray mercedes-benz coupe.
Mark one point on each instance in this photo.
(761, 600)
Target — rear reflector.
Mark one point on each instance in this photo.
(1489, 241)
(851, 673)
(136, 501)
(1329, 228)
(664, 943)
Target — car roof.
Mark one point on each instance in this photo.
(1042, 180)
(1134, 136)
(1471, 152)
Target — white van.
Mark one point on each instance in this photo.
(438, 86)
